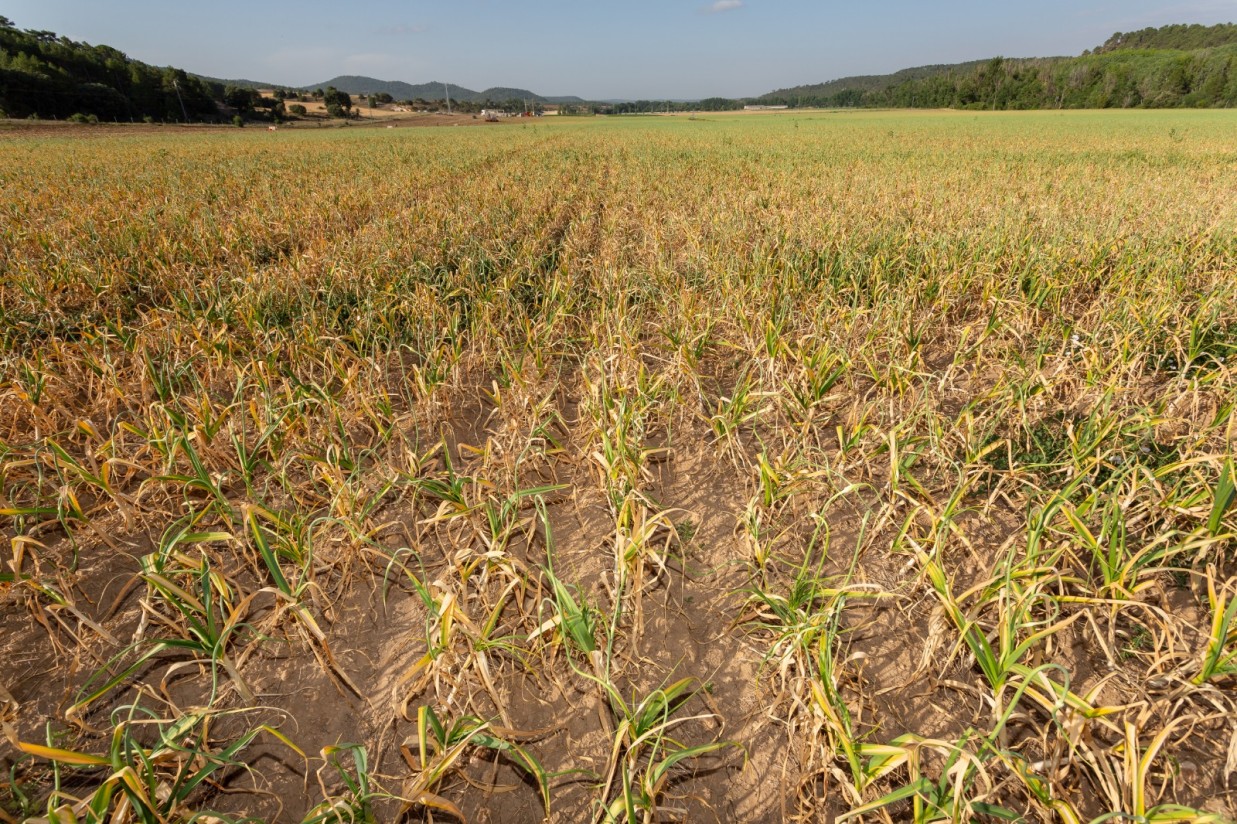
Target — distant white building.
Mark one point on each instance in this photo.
(764, 108)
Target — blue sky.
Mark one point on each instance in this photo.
(594, 48)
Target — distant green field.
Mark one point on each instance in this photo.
(800, 466)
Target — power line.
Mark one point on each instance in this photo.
(183, 110)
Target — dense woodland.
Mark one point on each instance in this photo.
(48, 76)
(1169, 67)
(1180, 37)
(1148, 78)
(43, 75)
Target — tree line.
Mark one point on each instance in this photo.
(44, 75)
(1168, 67)
(1179, 37)
(1121, 79)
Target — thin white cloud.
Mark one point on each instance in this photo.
(403, 29)
(296, 59)
(372, 62)
(725, 5)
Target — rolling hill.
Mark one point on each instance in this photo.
(870, 82)
(238, 83)
(1193, 66)
(355, 84)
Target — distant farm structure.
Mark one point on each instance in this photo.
(764, 108)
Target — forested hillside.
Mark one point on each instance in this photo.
(852, 88)
(1175, 66)
(49, 76)
(1174, 37)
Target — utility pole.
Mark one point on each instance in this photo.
(176, 85)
